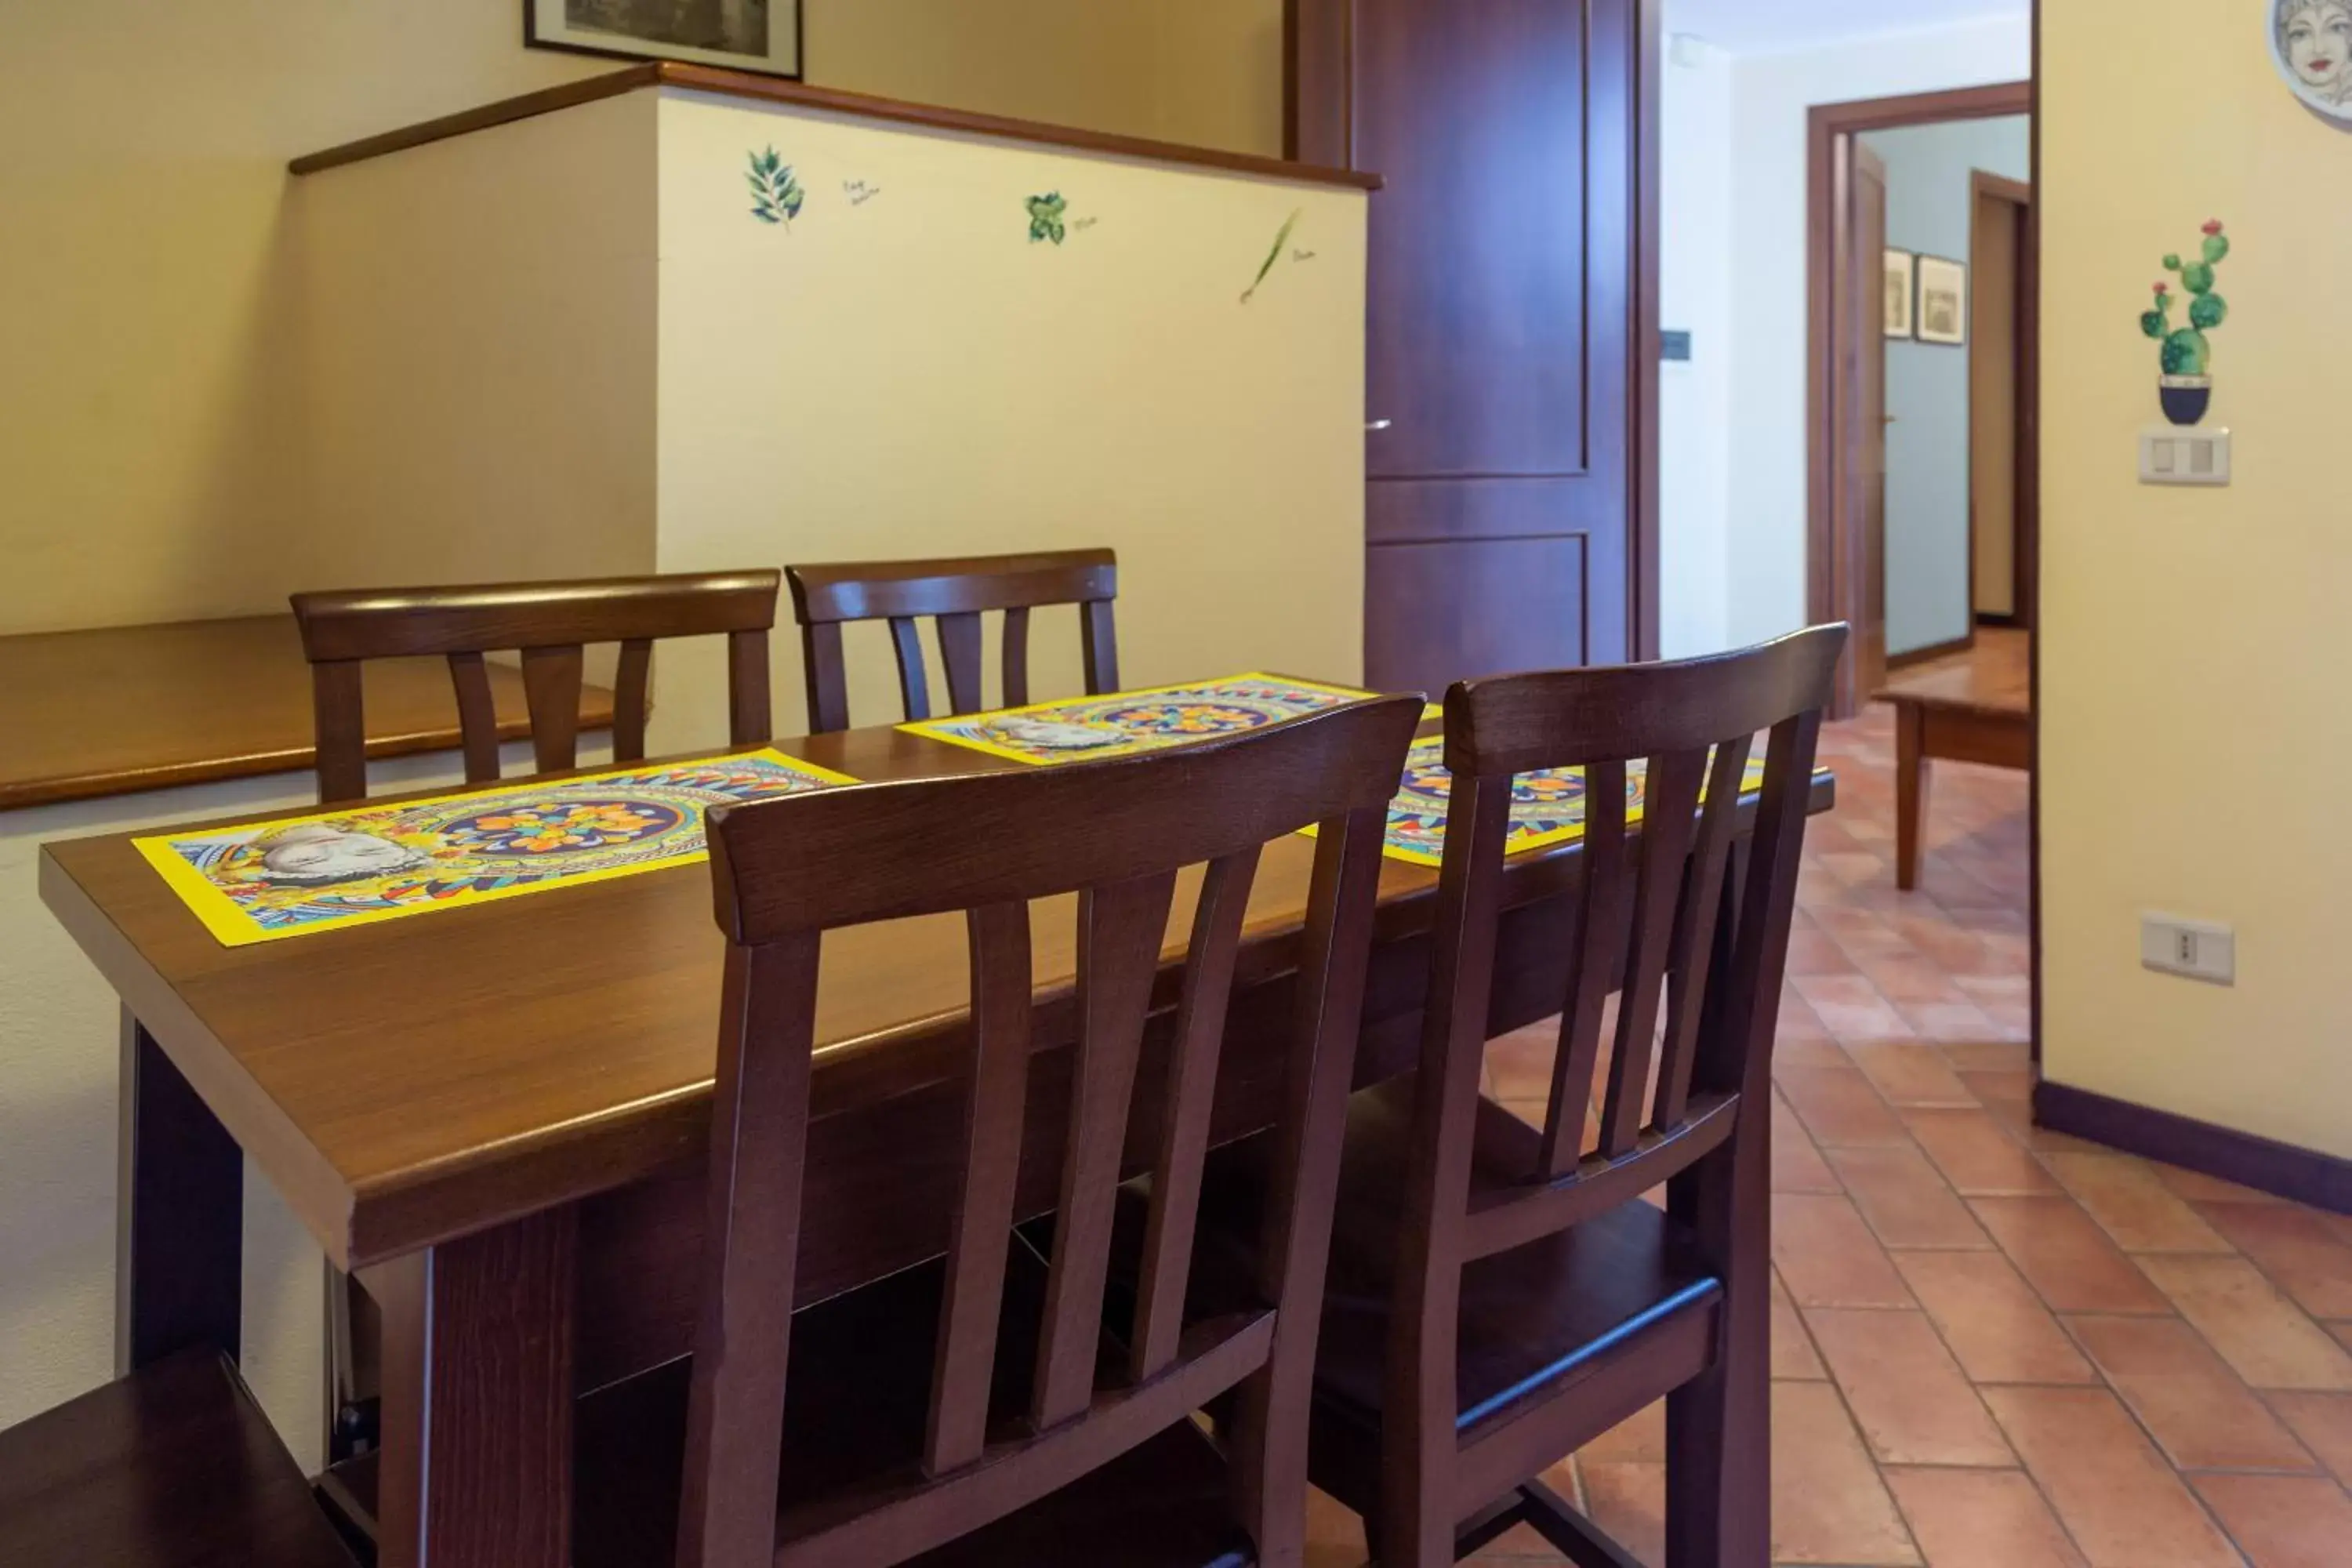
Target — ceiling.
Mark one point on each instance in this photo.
(1758, 27)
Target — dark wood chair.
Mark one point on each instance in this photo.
(975, 1411)
(957, 593)
(551, 623)
(172, 1467)
(1499, 1293)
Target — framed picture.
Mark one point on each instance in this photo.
(1943, 301)
(1900, 266)
(761, 36)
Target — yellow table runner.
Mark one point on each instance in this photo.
(331, 869)
(1118, 723)
(1547, 806)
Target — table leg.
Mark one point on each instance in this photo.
(179, 1215)
(1910, 791)
(477, 1467)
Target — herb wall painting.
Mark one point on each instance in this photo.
(1281, 238)
(2310, 42)
(1943, 301)
(1901, 267)
(2184, 360)
(776, 195)
(761, 36)
(1047, 215)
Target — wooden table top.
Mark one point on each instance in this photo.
(406, 1082)
(1995, 678)
(124, 709)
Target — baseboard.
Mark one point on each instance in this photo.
(1986, 618)
(2304, 1175)
(1933, 650)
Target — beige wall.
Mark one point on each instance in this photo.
(146, 368)
(2193, 742)
(914, 376)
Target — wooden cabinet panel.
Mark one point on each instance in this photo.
(1480, 606)
(1476, 116)
(1511, 390)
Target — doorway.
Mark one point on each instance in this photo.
(2003, 507)
(1850, 420)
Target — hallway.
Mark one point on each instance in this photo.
(1993, 1347)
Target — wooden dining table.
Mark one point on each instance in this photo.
(496, 1116)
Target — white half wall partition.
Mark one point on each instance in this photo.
(715, 328)
(961, 346)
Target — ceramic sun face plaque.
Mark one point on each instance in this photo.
(2312, 42)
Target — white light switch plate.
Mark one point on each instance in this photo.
(2184, 455)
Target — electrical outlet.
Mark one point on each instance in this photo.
(2197, 949)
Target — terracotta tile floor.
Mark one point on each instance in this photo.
(1993, 1347)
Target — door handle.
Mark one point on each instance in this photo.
(1372, 424)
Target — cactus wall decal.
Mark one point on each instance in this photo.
(2185, 354)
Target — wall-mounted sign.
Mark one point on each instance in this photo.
(2312, 42)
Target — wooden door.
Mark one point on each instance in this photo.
(1998, 495)
(1510, 517)
(1859, 351)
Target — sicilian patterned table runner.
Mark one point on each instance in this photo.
(1121, 722)
(1547, 805)
(331, 869)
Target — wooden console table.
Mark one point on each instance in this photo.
(1976, 708)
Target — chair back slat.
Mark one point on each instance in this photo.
(632, 698)
(1690, 962)
(551, 625)
(1119, 932)
(338, 720)
(1736, 1057)
(1016, 659)
(828, 678)
(1116, 833)
(551, 680)
(994, 1114)
(1669, 817)
(1187, 1100)
(914, 688)
(958, 637)
(1101, 645)
(477, 716)
(955, 594)
(1593, 968)
(759, 1138)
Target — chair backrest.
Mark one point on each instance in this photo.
(1650, 916)
(551, 623)
(1115, 832)
(957, 593)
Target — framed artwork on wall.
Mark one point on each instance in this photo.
(1900, 266)
(1943, 301)
(761, 36)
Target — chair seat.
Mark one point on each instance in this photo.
(857, 1397)
(173, 1467)
(1533, 1320)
